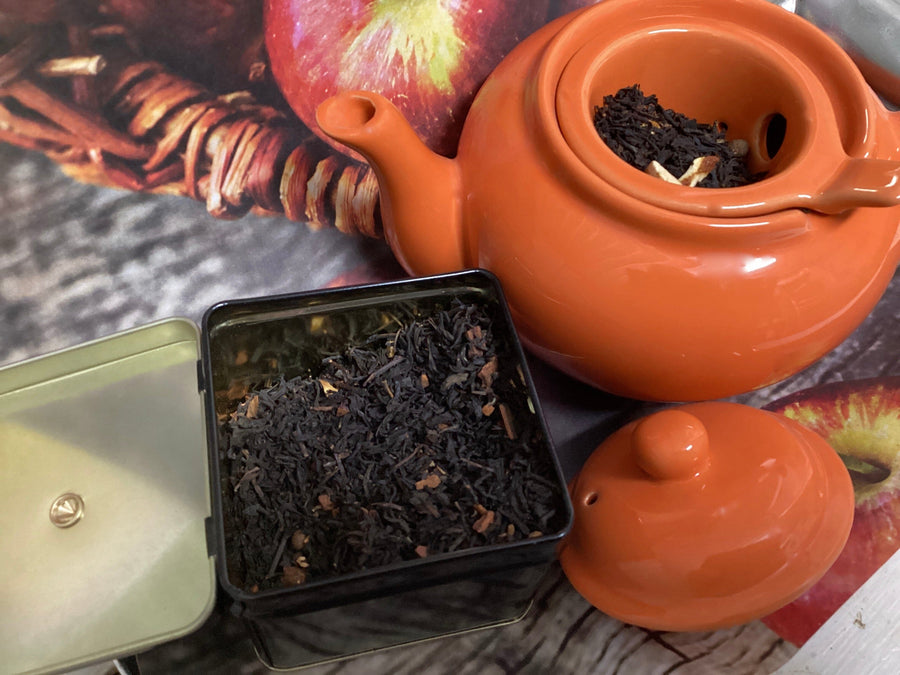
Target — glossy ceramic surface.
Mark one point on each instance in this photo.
(642, 288)
(705, 516)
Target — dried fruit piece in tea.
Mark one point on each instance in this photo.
(415, 441)
(641, 131)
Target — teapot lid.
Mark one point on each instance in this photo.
(704, 516)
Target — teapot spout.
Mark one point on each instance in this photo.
(420, 191)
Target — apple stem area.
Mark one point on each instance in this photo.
(864, 473)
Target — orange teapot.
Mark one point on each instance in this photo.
(640, 287)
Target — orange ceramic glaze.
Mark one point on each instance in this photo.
(738, 513)
(643, 288)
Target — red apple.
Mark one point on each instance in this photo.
(861, 421)
(429, 57)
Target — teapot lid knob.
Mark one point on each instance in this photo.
(670, 445)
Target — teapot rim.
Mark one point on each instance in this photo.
(576, 52)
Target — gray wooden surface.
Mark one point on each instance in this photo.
(79, 262)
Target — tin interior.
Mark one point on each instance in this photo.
(116, 424)
(285, 336)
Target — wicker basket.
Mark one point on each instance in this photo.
(80, 88)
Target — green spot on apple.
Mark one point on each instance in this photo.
(427, 43)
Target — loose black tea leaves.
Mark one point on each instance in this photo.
(413, 442)
(668, 144)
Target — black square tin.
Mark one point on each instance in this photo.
(389, 605)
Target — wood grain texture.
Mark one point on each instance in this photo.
(78, 262)
(864, 630)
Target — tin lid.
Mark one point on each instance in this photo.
(104, 495)
(704, 516)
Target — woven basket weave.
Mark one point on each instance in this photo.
(79, 90)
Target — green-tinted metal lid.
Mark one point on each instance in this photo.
(104, 494)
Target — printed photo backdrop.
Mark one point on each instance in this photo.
(151, 166)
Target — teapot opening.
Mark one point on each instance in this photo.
(796, 101)
(356, 112)
(704, 73)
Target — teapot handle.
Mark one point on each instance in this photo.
(858, 183)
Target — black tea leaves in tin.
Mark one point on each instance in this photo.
(411, 440)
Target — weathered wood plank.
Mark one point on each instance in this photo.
(865, 630)
(749, 648)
